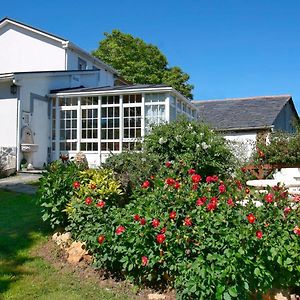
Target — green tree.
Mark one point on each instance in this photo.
(139, 62)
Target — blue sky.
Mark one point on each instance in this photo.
(230, 48)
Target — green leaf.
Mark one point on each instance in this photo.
(226, 296)
(257, 271)
(233, 291)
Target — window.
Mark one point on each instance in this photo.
(154, 114)
(89, 100)
(81, 64)
(155, 97)
(68, 130)
(134, 98)
(110, 100)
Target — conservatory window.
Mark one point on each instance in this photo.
(154, 114)
(155, 97)
(68, 130)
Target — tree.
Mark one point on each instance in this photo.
(139, 62)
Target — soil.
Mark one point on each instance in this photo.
(57, 257)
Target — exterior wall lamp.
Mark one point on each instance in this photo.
(13, 89)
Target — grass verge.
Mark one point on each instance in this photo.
(24, 275)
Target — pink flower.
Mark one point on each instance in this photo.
(196, 178)
(146, 184)
(222, 188)
(76, 185)
(259, 234)
(187, 222)
(170, 181)
(297, 230)
(269, 198)
(144, 261)
(230, 202)
(168, 164)
(160, 238)
(101, 203)
(88, 201)
(120, 229)
(155, 223)
(287, 210)
(214, 200)
(176, 185)
(191, 171)
(201, 201)
(296, 198)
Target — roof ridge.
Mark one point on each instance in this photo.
(243, 98)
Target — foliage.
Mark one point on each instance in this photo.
(192, 142)
(139, 62)
(282, 148)
(56, 191)
(96, 192)
(208, 238)
(132, 168)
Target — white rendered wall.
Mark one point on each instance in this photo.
(22, 50)
(243, 144)
(8, 122)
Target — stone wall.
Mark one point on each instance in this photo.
(8, 157)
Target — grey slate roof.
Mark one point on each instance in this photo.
(242, 113)
(110, 88)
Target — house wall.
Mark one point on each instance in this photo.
(285, 118)
(243, 143)
(22, 50)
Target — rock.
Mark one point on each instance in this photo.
(76, 252)
(88, 258)
(63, 240)
(156, 296)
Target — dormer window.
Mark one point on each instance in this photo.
(81, 64)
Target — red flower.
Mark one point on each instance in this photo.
(101, 203)
(170, 181)
(136, 217)
(155, 223)
(222, 188)
(144, 261)
(160, 238)
(101, 239)
(76, 185)
(93, 186)
(251, 218)
(187, 222)
(230, 202)
(211, 206)
(214, 200)
(195, 187)
(168, 164)
(196, 178)
(88, 200)
(120, 229)
(143, 221)
(260, 154)
(176, 185)
(259, 234)
(146, 184)
(284, 195)
(243, 169)
(239, 185)
(172, 215)
(163, 230)
(297, 230)
(296, 198)
(247, 190)
(213, 178)
(201, 201)
(287, 210)
(191, 171)
(269, 198)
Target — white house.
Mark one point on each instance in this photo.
(55, 98)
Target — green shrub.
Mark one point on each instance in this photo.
(192, 142)
(132, 168)
(206, 237)
(56, 190)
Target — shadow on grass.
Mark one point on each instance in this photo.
(21, 227)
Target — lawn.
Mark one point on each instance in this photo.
(24, 275)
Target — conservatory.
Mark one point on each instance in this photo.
(101, 121)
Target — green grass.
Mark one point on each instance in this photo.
(25, 276)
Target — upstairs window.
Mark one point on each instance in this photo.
(81, 64)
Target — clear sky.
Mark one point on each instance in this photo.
(230, 48)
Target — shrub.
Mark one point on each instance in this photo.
(56, 190)
(211, 239)
(132, 168)
(192, 142)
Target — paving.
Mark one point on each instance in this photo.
(20, 183)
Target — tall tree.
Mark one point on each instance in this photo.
(139, 62)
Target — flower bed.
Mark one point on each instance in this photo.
(189, 232)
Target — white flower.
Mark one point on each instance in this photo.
(194, 132)
(190, 126)
(162, 140)
(177, 138)
(204, 146)
(197, 146)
